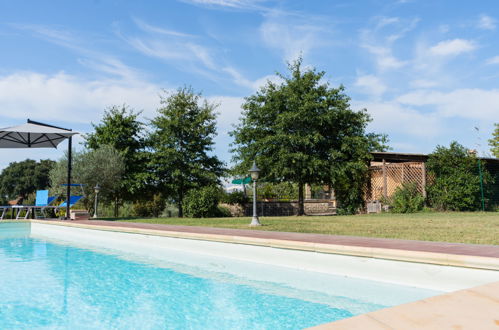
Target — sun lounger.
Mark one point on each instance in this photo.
(72, 201)
(42, 202)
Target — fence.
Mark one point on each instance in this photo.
(385, 178)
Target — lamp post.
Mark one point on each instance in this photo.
(96, 189)
(255, 173)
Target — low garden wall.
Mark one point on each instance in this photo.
(279, 208)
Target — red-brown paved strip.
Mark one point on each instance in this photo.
(398, 244)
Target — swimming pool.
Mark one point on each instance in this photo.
(89, 279)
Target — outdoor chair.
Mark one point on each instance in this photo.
(17, 201)
(72, 201)
(42, 202)
(6, 208)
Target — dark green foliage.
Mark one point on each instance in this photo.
(181, 141)
(152, 207)
(223, 212)
(303, 131)
(407, 199)
(24, 178)
(456, 180)
(121, 129)
(104, 166)
(494, 142)
(281, 191)
(202, 202)
(234, 198)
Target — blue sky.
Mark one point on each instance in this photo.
(426, 71)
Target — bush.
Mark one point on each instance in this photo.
(223, 212)
(456, 180)
(202, 202)
(407, 199)
(153, 207)
(234, 198)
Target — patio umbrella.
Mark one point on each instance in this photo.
(38, 135)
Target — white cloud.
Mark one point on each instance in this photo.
(170, 45)
(380, 39)
(383, 21)
(384, 57)
(393, 118)
(467, 103)
(240, 80)
(452, 47)
(229, 110)
(292, 38)
(493, 60)
(486, 23)
(240, 4)
(154, 29)
(63, 97)
(371, 85)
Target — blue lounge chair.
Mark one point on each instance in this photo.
(72, 201)
(42, 202)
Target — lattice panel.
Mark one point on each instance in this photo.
(396, 175)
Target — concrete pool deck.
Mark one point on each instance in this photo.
(473, 308)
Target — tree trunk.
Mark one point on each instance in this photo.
(301, 207)
(116, 207)
(180, 211)
(181, 198)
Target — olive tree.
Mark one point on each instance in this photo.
(104, 166)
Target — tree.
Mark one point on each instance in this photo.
(494, 142)
(303, 131)
(104, 166)
(181, 141)
(24, 178)
(456, 179)
(121, 129)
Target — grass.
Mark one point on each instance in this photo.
(459, 227)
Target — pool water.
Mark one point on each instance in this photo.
(59, 286)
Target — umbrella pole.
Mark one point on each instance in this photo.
(68, 190)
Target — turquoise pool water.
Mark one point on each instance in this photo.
(58, 286)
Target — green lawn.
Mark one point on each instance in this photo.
(476, 227)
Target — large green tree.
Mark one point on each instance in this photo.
(104, 166)
(182, 143)
(303, 131)
(24, 178)
(121, 128)
(494, 142)
(455, 179)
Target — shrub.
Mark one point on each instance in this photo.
(234, 198)
(456, 180)
(152, 207)
(223, 212)
(202, 202)
(407, 199)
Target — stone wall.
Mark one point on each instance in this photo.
(277, 208)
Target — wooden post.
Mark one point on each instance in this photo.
(423, 178)
(385, 183)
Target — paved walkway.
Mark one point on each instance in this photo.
(491, 251)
